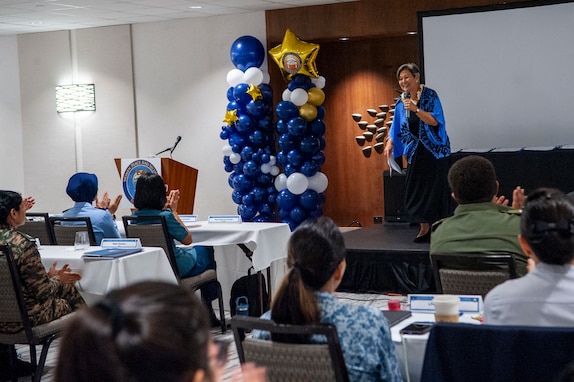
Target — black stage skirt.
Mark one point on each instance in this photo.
(426, 188)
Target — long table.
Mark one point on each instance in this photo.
(102, 275)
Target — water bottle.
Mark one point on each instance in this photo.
(242, 306)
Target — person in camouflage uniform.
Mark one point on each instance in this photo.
(48, 294)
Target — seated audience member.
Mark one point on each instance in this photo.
(149, 331)
(481, 221)
(150, 200)
(544, 296)
(316, 260)
(83, 189)
(49, 295)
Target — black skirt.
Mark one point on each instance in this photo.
(426, 188)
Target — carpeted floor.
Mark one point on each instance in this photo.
(377, 300)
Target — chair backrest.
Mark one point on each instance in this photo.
(37, 226)
(291, 361)
(471, 273)
(469, 352)
(12, 304)
(152, 232)
(64, 229)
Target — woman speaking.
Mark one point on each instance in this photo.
(418, 131)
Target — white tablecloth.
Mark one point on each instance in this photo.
(411, 348)
(101, 276)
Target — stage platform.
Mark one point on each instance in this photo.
(384, 259)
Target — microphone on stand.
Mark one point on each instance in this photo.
(170, 149)
(175, 144)
(407, 95)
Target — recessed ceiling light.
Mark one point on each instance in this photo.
(37, 22)
(411, 33)
(343, 39)
(195, 7)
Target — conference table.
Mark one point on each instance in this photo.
(100, 276)
(240, 246)
(411, 347)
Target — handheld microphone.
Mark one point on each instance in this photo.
(175, 144)
(407, 95)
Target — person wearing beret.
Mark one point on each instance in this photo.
(83, 189)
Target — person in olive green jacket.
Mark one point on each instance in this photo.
(482, 222)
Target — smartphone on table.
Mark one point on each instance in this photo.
(417, 328)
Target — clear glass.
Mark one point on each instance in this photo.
(82, 241)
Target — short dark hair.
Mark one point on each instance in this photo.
(8, 200)
(150, 192)
(547, 224)
(472, 179)
(148, 331)
(413, 68)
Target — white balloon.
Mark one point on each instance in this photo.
(319, 82)
(235, 158)
(227, 150)
(266, 78)
(318, 182)
(299, 97)
(234, 77)
(274, 170)
(265, 168)
(281, 182)
(297, 183)
(286, 96)
(272, 160)
(253, 76)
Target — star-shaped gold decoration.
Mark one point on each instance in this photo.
(294, 56)
(254, 92)
(230, 117)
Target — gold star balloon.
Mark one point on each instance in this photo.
(294, 56)
(230, 117)
(254, 92)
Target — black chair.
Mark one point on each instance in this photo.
(471, 273)
(291, 361)
(64, 229)
(37, 226)
(13, 310)
(468, 352)
(153, 232)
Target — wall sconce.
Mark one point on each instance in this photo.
(77, 97)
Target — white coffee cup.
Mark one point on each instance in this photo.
(82, 241)
(446, 308)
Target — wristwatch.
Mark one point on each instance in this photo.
(416, 112)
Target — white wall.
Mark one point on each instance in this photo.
(11, 160)
(173, 84)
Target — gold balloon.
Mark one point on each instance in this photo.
(254, 92)
(230, 117)
(316, 96)
(294, 56)
(308, 111)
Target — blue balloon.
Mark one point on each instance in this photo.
(322, 143)
(264, 179)
(267, 208)
(318, 127)
(247, 212)
(287, 110)
(248, 200)
(319, 158)
(242, 183)
(256, 137)
(286, 142)
(309, 145)
(245, 124)
(295, 158)
(320, 112)
(224, 134)
(251, 169)
(309, 168)
(259, 194)
(310, 199)
(282, 127)
(298, 214)
(236, 197)
(289, 169)
(247, 153)
(230, 179)
(282, 158)
(230, 96)
(266, 123)
(237, 139)
(247, 52)
(283, 213)
(256, 108)
(286, 200)
(240, 93)
(297, 126)
(266, 92)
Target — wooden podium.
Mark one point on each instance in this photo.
(177, 176)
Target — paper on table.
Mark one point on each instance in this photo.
(393, 165)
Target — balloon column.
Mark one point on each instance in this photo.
(301, 129)
(249, 156)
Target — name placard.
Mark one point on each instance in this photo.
(121, 243)
(224, 219)
(423, 303)
(188, 218)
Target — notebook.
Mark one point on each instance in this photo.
(110, 253)
(395, 316)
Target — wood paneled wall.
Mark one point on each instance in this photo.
(360, 75)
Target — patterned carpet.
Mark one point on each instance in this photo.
(376, 300)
